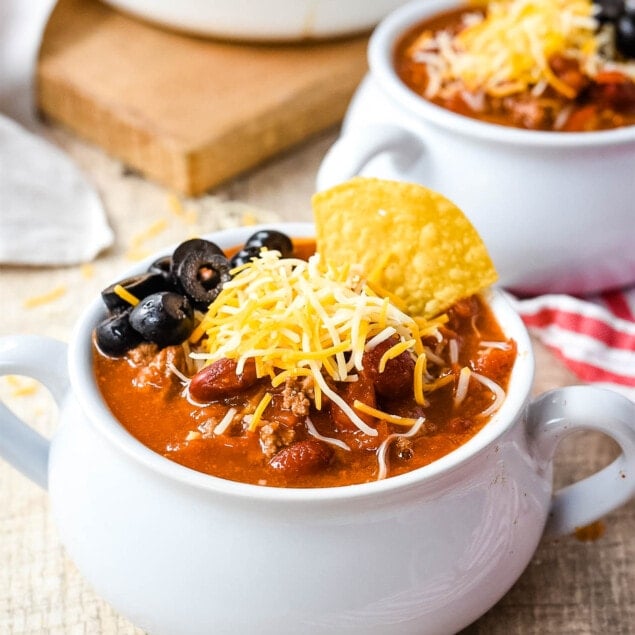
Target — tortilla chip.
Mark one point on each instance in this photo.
(412, 242)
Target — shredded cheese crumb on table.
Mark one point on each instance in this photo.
(136, 250)
(45, 298)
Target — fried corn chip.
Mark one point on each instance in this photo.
(413, 243)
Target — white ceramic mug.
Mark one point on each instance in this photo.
(556, 210)
(180, 552)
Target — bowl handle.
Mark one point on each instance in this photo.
(43, 359)
(348, 156)
(560, 412)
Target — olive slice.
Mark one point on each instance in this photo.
(244, 256)
(115, 336)
(608, 10)
(139, 286)
(204, 248)
(201, 276)
(162, 265)
(271, 239)
(164, 318)
(625, 34)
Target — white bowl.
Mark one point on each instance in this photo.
(262, 20)
(179, 552)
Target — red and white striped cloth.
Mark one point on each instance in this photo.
(594, 336)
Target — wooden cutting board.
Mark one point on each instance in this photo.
(187, 112)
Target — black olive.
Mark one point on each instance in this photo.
(201, 280)
(199, 268)
(164, 318)
(609, 10)
(244, 256)
(115, 336)
(139, 286)
(201, 277)
(625, 34)
(271, 239)
(162, 265)
(204, 248)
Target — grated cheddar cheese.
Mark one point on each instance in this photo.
(507, 50)
(300, 318)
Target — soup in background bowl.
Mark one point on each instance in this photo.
(539, 65)
(179, 551)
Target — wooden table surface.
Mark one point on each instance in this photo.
(570, 586)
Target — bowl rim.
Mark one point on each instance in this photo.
(275, 22)
(381, 49)
(87, 394)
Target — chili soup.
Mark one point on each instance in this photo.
(553, 65)
(286, 365)
(411, 393)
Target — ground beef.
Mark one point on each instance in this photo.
(143, 354)
(274, 436)
(404, 448)
(156, 371)
(296, 396)
(526, 111)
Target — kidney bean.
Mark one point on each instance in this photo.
(219, 380)
(362, 390)
(302, 457)
(568, 70)
(398, 375)
(613, 91)
(401, 407)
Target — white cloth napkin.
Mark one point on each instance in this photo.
(49, 212)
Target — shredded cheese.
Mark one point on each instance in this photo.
(462, 386)
(125, 295)
(503, 346)
(279, 379)
(507, 50)
(419, 372)
(382, 450)
(497, 391)
(225, 422)
(385, 416)
(260, 408)
(299, 318)
(136, 251)
(382, 336)
(175, 205)
(310, 426)
(249, 218)
(45, 298)
(21, 386)
(395, 351)
(87, 270)
(453, 347)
